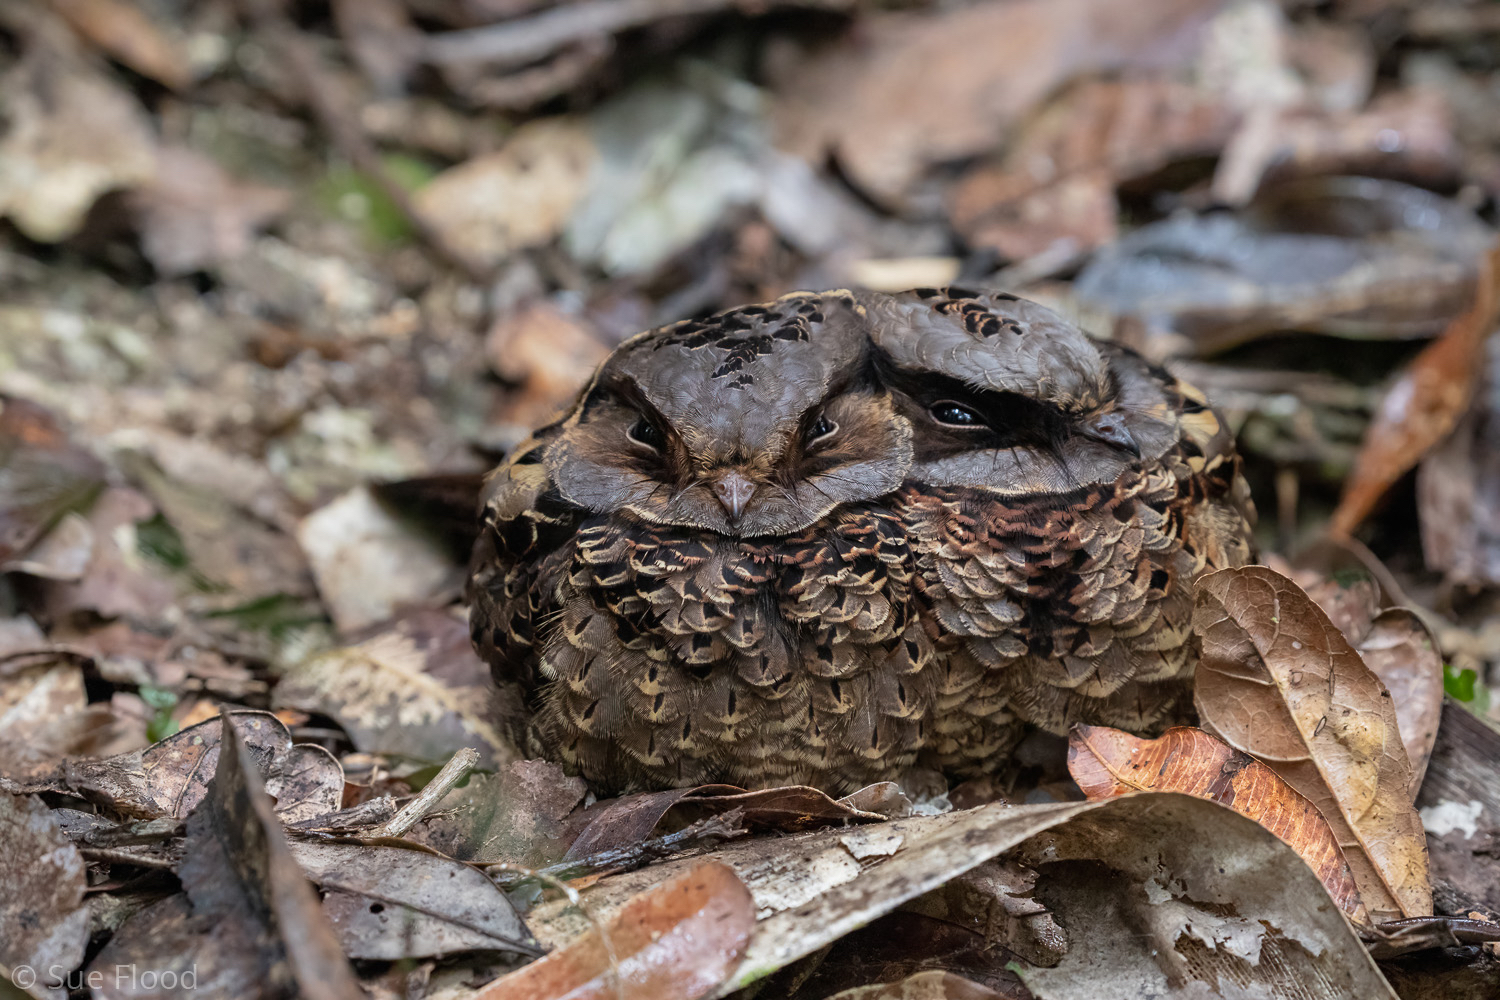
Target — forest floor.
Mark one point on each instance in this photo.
(280, 280)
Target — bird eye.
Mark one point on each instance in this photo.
(644, 432)
(821, 429)
(954, 414)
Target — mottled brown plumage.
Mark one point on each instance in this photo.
(832, 537)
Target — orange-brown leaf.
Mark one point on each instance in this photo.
(1424, 405)
(1108, 762)
(675, 941)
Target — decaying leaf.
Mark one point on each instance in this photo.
(194, 215)
(171, 777)
(46, 718)
(253, 925)
(933, 985)
(514, 815)
(549, 354)
(630, 819)
(675, 941)
(1425, 403)
(812, 888)
(44, 924)
(894, 102)
(43, 476)
(387, 903)
(1278, 681)
(415, 690)
(1351, 256)
(1108, 762)
(125, 32)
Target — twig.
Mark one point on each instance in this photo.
(723, 826)
(528, 39)
(317, 90)
(452, 773)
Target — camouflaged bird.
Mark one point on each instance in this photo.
(829, 538)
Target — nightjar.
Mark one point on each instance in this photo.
(828, 538)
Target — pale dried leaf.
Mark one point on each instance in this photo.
(415, 690)
(367, 562)
(388, 904)
(522, 196)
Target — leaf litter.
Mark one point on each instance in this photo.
(281, 285)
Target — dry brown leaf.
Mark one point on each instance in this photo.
(193, 215)
(44, 924)
(1058, 177)
(1397, 646)
(1278, 681)
(1424, 405)
(896, 100)
(1108, 762)
(171, 777)
(254, 926)
(548, 353)
(43, 476)
(122, 30)
(676, 941)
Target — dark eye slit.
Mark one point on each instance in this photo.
(1007, 419)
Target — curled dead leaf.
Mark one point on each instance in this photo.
(1108, 762)
(1424, 404)
(1277, 680)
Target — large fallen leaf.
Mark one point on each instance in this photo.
(1108, 762)
(255, 927)
(416, 690)
(1425, 403)
(44, 925)
(171, 777)
(515, 815)
(1350, 256)
(388, 903)
(893, 101)
(1277, 680)
(811, 889)
(675, 941)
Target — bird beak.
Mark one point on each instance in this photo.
(734, 491)
(1110, 428)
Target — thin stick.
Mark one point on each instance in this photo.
(452, 773)
(317, 90)
(528, 39)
